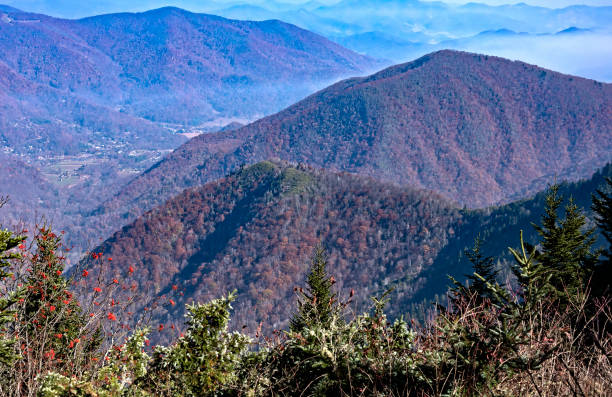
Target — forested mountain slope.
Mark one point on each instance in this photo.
(476, 129)
(136, 78)
(255, 230)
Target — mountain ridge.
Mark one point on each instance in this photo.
(481, 110)
(255, 230)
(170, 65)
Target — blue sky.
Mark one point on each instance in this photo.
(78, 8)
(541, 3)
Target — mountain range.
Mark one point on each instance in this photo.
(136, 79)
(476, 129)
(402, 17)
(394, 173)
(88, 104)
(447, 131)
(403, 30)
(255, 230)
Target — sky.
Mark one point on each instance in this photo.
(81, 8)
(541, 3)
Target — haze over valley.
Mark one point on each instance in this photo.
(291, 198)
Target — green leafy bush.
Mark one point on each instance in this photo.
(202, 360)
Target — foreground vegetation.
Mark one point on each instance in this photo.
(546, 332)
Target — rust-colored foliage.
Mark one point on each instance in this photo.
(256, 229)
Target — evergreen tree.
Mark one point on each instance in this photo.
(602, 207)
(479, 281)
(528, 273)
(49, 303)
(484, 270)
(316, 304)
(8, 242)
(566, 247)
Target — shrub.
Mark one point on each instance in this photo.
(203, 359)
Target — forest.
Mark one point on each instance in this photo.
(254, 231)
(543, 331)
(192, 205)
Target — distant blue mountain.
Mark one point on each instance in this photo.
(6, 8)
(380, 45)
(498, 32)
(573, 29)
(400, 30)
(119, 73)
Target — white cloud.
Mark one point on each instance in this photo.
(587, 55)
(541, 3)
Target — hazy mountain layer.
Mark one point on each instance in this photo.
(476, 129)
(133, 80)
(401, 30)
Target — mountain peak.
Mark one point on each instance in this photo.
(156, 12)
(172, 10)
(573, 29)
(272, 207)
(5, 8)
(475, 128)
(459, 63)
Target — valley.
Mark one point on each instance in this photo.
(90, 105)
(315, 198)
